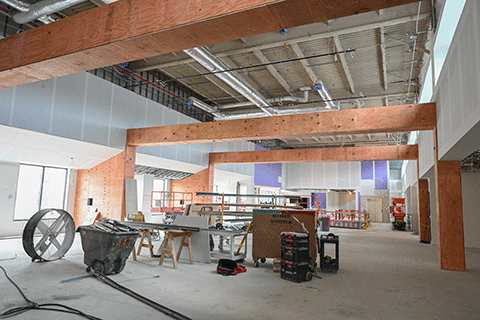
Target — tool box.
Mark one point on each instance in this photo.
(295, 257)
(296, 272)
(295, 239)
(295, 254)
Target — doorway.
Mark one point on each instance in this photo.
(374, 208)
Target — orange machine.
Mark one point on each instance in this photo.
(397, 210)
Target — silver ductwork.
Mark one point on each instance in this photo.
(220, 70)
(280, 112)
(323, 92)
(17, 5)
(46, 19)
(272, 100)
(192, 101)
(43, 8)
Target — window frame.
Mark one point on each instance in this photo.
(65, 189)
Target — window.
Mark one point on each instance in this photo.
(39, 188)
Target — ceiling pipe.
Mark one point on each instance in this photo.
(272, 100)
(323, 92)
(46, 19)
(192, 101)
(17, 5)
(280, 112)
(43, 8)
(220, 70)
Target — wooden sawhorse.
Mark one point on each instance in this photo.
(169, 238)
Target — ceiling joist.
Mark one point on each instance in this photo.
(273, 71)
(154, 64)
(343, 59)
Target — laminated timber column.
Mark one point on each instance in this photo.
(424, 211)
(130, 156)
(451, 239)
(451, 243)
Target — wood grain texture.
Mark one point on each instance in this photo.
(450, 216)
(137, 29)
(424, 210)
(130, 156)
(370, 153)
(200, 181)
(267, 229)
(105, 184)
(358, 121)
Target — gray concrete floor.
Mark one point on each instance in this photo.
(383, 274)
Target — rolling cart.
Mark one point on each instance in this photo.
(328, 263)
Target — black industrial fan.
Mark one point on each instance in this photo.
(49, 234)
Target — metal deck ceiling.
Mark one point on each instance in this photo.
(386, 67)
(162, 173)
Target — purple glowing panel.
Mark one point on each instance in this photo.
(359, 202)
(322, 197)
(367, 170)
(381, 175)
(267, 174)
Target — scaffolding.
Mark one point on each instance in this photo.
(170, 201)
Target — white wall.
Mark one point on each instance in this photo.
(341, 200)
(8, 188)
(322, 175)
(233, 146)
(457, 96)
(409, 174)
(426, 152)
(471, 205)
(86, 108)
(457, 92)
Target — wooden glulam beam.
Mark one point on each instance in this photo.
(131, 30)
(354, 121)
(366, 153)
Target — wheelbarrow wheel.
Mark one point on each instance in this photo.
(109, 267)
(309, 276)
(119, 266)
(98, 267)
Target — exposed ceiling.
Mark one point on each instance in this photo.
(161, 173)
(367, 60)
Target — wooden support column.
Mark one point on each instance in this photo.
(451, 242)
(130, 156)
(424, 211)
(211, 177)
(451, 239)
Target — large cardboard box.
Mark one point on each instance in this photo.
(269, 224)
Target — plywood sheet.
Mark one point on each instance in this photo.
(268, 227)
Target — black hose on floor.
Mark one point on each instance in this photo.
(169, 312)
